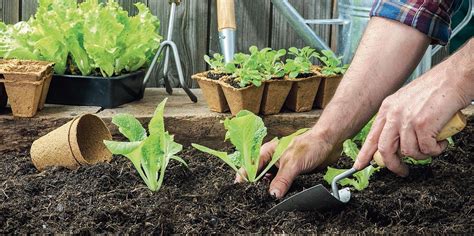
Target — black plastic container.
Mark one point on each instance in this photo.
(3, 96)
(96, 91)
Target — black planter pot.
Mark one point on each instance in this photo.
(3, 97)
(96, 91)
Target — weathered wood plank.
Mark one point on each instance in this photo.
(190, 35)
(129, 5)
(253, 25)
(28, 8)
(283, 36)
(10, 11)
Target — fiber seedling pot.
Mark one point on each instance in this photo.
(274, 95)
(26, 84)
(326, 90)
(24, 97)
(79, 142)
(212, 92)
(303, 93)
(44, 94)
(248, 98)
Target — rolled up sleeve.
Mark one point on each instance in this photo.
(431, 17)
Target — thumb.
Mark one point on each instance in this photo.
(283, 180)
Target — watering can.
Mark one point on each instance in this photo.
(353, 17)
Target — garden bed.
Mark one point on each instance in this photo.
(112, 198)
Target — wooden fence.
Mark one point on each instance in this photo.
(195, 29)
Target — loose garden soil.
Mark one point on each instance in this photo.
(215, 76)
(111, 198)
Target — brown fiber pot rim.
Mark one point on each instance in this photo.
(316, 74)
(203, 76)
(22, 67)
(97, 152)
(225, 84)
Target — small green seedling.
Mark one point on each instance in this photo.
(301, 63)
(360, 180)
(149, 154)
(246, 70)
(246, 132)
(217, 64)
(332, 64)
(269, 62)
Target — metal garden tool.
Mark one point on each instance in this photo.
(318, 198)
(165, 47)
(227, 28)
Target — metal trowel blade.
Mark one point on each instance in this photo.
(316, 198)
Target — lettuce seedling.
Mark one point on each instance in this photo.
(301, 63)
(246, 132)
(149, 154)
(360, 180)
(246, 70)
(269, 61)
(218, 65)
(332, 64)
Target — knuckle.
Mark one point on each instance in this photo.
(282, 181)
(420, 123)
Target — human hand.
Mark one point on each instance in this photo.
(307, 152)
(409, 120)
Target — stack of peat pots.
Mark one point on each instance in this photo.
(26, 85)
(300, 94)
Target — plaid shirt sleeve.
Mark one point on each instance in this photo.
(431, 17)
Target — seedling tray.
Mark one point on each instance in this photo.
(96, 91)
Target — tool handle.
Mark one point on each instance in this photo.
(455, 125)
(226, 15)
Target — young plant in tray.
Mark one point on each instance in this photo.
(243, 90)
(301, 64)
(269, 62)
(149, 154)
(332, 71)
(246, 71)
(218, 67)
(246, 132)
(332, 64)
(301, 70)
(88, 38)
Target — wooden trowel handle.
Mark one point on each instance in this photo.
(226, 14)
(455, 125)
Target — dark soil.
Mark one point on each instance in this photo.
(111, 198)
(233, 82)
(215, 76)
(305, 75)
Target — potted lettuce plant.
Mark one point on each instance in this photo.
(243, 89)
(99, 51)
(306, 77)
(276, 85)
(332, 73)
(208, 82)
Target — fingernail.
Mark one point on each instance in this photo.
(275, 193)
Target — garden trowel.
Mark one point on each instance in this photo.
(318, 198)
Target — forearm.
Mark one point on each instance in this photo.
(459, 70)
(387, 54)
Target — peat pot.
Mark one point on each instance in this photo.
(212, 92)
(26, 84)
(248, 98)
(274, 95)
(326, 90)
